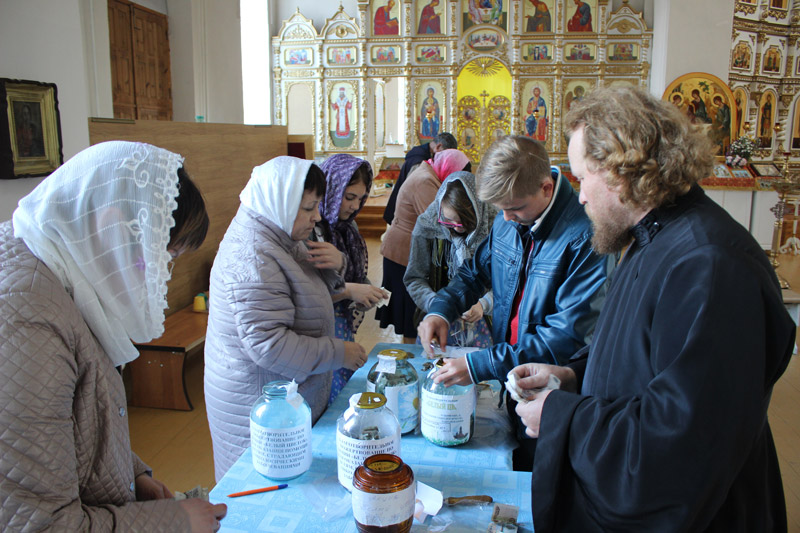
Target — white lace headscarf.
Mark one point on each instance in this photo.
(275, 190)
(101, 223)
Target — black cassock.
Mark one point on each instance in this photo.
(670, 430)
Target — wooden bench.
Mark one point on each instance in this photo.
(157, 374)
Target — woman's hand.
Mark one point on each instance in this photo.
(354, 355)
(204, 517)
(473, 314)
(149, 488)
(365, 295)
(324, 255)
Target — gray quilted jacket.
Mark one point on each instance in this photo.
(270, 318)
(65, 457)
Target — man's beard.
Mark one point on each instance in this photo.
(611, 235)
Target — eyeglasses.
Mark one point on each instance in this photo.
(450, 223)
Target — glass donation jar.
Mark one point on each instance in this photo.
(447, 413)
(384, 494)
(394, 377)
(366, 428)
(280, 432)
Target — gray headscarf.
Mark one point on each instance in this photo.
(463, 248)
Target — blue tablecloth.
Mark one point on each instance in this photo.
(491, 446)
(315, 502)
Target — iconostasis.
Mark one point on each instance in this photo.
(478, 69)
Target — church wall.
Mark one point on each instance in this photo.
(57, 59)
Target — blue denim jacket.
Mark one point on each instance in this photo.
(565, 289)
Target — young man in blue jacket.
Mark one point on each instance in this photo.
(548, 283)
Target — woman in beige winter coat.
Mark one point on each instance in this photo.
(84, 266)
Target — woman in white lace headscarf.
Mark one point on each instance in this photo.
(84, 266)
(270, 308)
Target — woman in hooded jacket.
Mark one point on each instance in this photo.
(444, 237)
(414, 197)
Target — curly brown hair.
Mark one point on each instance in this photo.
(651, 150)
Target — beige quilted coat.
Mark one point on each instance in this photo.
(65, 458)
(270, 318)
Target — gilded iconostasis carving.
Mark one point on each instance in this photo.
(475, 68)
(764, 76)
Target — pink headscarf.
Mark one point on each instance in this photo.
(448, 161)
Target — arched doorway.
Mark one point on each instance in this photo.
(484, 105)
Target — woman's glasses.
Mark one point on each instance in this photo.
(449, 223)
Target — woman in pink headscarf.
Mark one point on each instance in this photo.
(414, 197)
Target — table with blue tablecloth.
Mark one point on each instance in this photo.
(315, 501)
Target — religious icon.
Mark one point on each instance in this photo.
(341, 125)
(537, 17)
(772, 60)
(765, 120)
(708, 102)
(574, 96)
(477, 12)
(384, 23)
(429, 115)
(429, 19)
(741, 56)
(581, 21)
(536, 119)
(28, 121)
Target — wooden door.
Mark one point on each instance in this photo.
(140, 65)
(119, 29)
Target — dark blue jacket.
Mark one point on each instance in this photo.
(565, 288)
(670, 430)
(414, 157)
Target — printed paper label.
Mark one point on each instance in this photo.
(383, 509)
(403, 401)
(350, 453)
(445, 420)
(281, 453)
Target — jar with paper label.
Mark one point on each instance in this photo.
(383, 495)
(447, 415)
(280, 432)
(366, 428)
(394, 377)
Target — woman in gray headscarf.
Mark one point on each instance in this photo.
(444, 237)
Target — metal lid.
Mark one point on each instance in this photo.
(394, 352)
(371, 400)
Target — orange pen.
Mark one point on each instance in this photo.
(256, 491)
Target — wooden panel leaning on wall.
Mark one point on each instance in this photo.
(219, 158)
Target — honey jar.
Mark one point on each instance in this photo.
(383, 495)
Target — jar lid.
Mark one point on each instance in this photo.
(371, 400)
(394, 352)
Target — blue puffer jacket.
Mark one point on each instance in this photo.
(565, 289)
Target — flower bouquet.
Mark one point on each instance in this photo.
(739, 151)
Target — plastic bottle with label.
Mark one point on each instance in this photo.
(394, 377)
(447, 415)
(280, 432)
(383, 495)
(366, 428)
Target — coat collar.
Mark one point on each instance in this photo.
(657, 219)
